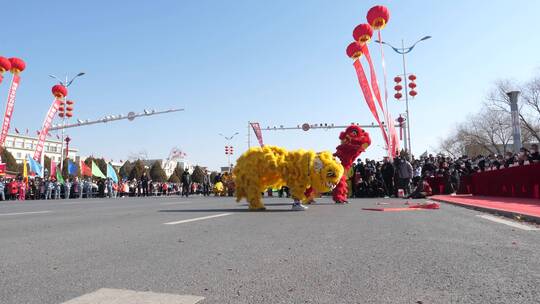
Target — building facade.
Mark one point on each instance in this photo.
(20, 146)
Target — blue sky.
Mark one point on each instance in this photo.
(276, 62)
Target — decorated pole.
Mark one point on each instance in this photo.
(16, 67)
(60, 92)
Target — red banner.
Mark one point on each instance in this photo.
(257, 129)
(373, 78)
(45, 129)
(85, 170)
(2, 169)
(368, 96)
(9, 107)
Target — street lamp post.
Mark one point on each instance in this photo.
(402, 51)
(228, 139)
(65, 83)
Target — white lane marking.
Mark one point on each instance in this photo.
(508, 222)
(124, 296)
(21, 213)
(197, 219)
(175, 203)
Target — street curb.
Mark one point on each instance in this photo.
(509, 214)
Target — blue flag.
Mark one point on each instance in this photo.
(72, 168)
(35, 166)
(111, 174)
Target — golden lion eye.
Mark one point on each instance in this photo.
(330, 174)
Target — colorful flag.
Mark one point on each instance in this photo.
(72, 168)
(53, 168)
(17, 131)
(25, 172)
(35, 166)
(59, 177)
(85, 170)
(96, 172)
(111, 174)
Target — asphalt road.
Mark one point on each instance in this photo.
(54, 251)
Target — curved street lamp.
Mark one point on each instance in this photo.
(402, 51)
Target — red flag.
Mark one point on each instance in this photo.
(85, 170)
(257, 129)
(368, 96)
(53, 169)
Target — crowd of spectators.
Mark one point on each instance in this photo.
(87, 187)
(372, 178)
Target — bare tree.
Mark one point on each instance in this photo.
(529, 107)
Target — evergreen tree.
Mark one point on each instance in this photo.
(137, 170)
(102, 165)
(198, 175)
(125, 170)
(157, 173)
(213, 176)
(9, 160)
(178, 171)
(174, 179)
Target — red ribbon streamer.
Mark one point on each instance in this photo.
(9, 107)
(257, 129)
(368, 96)
(45, 129)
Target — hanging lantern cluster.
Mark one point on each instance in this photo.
(398, 87)
(412, 85)
(66, 109)
(229, 150)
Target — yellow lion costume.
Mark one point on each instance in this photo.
(261, 168)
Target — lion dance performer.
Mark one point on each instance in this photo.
(354, 141)
(263, 167)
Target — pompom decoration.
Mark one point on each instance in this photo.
(362, 33)
(398, 95)
(59, 91)
(397, 79)
(412, 77)
(354, 51)
(17, 65)
(413, 93)
(5, 64)
(398, 87)
(412, 85)
(378, 17)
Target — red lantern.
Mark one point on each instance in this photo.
(362, 33)
(59, 91)
(412, 77)
(397, 79)
(398, 95)
(412, 85)
(70, 102)
(17, 65)
(69, 114)
(61, 109)
(61, 114)
(413, 93)
(400, 119)
(69, 108)
(354, 51)
(378, 17)
(5, 65)
(398, 87)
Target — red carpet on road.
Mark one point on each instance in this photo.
(526, 206)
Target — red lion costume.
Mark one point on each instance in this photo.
(354, 141)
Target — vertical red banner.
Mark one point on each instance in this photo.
(258, 133)
(9, 107)
(368, 95)
(45, 129)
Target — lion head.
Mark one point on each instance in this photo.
(356, 136)
(325, 172)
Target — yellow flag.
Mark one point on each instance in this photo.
(25, 172)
